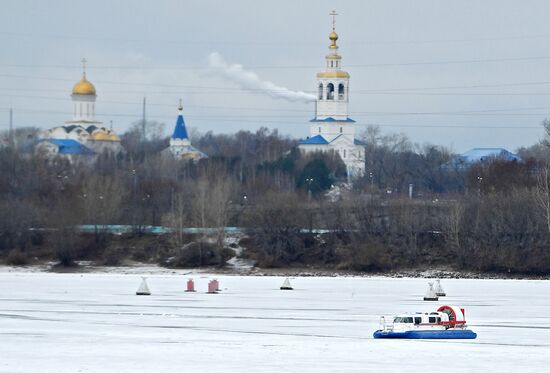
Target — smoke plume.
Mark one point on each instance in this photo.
(249, 81)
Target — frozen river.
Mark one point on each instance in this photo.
(96, 323)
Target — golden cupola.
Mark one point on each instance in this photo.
(333, 37)
(84, 87)
(83, 97)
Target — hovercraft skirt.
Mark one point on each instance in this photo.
(427, 334)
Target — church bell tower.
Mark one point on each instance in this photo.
(333, 83)
(331, 107)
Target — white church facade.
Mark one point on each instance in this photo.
(332, 129)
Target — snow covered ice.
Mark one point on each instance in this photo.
(96, 323)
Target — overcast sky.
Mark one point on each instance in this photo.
(462, 74)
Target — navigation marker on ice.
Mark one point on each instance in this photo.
(439, 289)
(190, 285)
(286, 285)
(430, 294)
(213, 287)
(143, 288)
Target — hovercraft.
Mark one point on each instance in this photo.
(448, 322)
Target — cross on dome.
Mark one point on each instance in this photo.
(84, 66)
(84, 87)
(333, 35)
(333, 14)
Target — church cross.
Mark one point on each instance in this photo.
(84, 66)
(333, 14)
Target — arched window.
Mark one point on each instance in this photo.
(330, 91)
(320, 91)
(331, 63)
(340, 91)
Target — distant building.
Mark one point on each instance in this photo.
(332, 128)
(62, 147)
(180, 146)
(481, 155)
(83, 128)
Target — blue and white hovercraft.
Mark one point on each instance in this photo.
(447, 323)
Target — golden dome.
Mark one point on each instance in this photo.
(333, 37)
(103, 134)
(114, 137)
(83, 87)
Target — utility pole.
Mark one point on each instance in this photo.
(143, 122)
(11, 135)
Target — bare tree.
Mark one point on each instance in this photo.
(543, 194)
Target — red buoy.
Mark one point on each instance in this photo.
(190, 285)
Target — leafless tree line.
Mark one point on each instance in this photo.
(490, 217)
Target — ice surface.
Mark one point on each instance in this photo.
(96, 323)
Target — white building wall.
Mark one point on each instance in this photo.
(84, 108)
(332, 130)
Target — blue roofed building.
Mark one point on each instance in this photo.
(67, 148)
(332, 129)
(180, 146)
(481, 155)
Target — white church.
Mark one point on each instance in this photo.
(83, 135)
(332, 128)
(180, 145)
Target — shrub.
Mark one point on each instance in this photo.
(113, 256)
(371, 257)
(197, 254)
(17, 258)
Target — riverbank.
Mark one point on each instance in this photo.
(152, 269)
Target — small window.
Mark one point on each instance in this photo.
(418, 320)
(331, 63)
(340, 129)
(432, 320)
(319, 129)
(344, 153)
(320, 91)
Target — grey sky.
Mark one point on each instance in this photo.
(395, 51)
